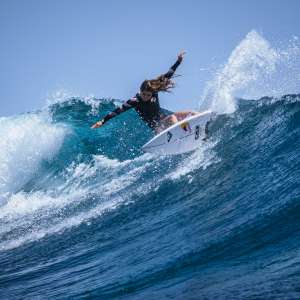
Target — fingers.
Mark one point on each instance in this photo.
(97, 124)
(182, 53)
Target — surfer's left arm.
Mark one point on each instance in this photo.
(172, 70)
(124, 107)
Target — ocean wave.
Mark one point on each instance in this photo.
(86, 214)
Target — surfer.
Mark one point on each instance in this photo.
(146, 102)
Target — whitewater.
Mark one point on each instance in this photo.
(85, 214)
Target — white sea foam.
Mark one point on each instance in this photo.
(40, 232)
(31, 216)
(25, 142)
(200, 158)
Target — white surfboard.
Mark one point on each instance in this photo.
(181, 137)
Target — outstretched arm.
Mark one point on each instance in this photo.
(126, 106)
(172, 70)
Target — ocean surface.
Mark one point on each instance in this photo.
(85, 214)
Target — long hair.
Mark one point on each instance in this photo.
(160, 84)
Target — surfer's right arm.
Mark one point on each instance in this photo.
(124, 107)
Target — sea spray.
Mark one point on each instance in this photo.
(252, 58)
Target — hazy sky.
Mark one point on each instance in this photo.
(107, 48)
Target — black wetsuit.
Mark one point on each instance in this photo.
(149, 111)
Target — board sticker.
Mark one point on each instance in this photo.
(186, 126)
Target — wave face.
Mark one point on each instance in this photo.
(85, 214)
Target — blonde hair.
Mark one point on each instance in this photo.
(160, 84)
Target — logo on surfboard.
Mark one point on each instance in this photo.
(186, 126)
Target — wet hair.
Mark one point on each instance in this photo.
(160, 84)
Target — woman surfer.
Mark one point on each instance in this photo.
(146, 102)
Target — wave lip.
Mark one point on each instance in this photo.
(254, 68)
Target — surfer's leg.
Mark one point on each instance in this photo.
(174, 118)
(169, 120)
(184, 114)
(166, 122)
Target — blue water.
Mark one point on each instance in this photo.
(85, 214)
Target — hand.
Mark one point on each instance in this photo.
(180, 55)
(98, 124)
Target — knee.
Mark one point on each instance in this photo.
(173, 119)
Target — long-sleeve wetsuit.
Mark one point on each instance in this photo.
(149, 111)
